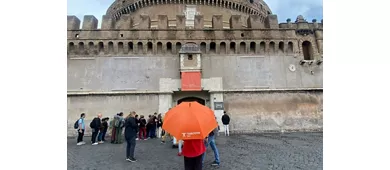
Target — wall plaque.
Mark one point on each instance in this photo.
(218, 105)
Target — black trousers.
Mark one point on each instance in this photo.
(94, 135)
(81, 135)
(194, 163)
(130, 147)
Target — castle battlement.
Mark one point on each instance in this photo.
(160, 36)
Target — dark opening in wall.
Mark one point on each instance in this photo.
(121, 35)
(222, 48)
(159, 48)
(262, 47)
(120, 48)
(189, 57)
(272, 47)
(307, 50)
(110, 47)
(150, 48)
(91, 47)
(81, 47)
(131, 47)
(252, 48)
(242, 48)
(281, 47)
(203, 47)
(71, 47)
(178, 46)
(100, 47)
(232, 48)
(212, 48)
(169, 48)
(76, 36)
(290, 48)
(140, 48)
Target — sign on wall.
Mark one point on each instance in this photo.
(218, 106)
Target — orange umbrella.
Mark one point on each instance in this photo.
(189, 120)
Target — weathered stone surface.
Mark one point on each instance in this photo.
(242, 152)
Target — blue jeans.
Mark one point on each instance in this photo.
(211, 142)
(101, 136)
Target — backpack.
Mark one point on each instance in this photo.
(92, 124)
(117, 123)
(76, 124)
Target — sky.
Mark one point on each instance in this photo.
(309, 9)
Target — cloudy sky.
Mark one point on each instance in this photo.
(310, 9)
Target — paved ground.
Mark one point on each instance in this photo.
(237, 152)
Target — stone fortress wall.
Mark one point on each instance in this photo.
(270, 74)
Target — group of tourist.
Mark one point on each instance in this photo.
(194, 151)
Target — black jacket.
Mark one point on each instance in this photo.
(131, 128)
(97, 123)
(225, 119)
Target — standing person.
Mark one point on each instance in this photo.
(226, 121)
(180, 147)
(119, 124)
(193, 151)
(210, 140)
(113, 128)
(81, 129)
(95, 126)
(148, 125)
(142, 128)
(153, 126)
(103, 130)
(131, 128)
(159, 125)
(137, 121)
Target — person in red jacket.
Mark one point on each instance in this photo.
(193, 151)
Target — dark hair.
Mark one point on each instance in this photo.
(224, 112)
(136, 115)
(82, 114)
(120, 114)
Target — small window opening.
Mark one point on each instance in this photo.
(189, 57)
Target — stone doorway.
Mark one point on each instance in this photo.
(192, 99)
(202, 97)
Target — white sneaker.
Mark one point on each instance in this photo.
(83, 143)
(78, 144)
(95, 143)
(100, 142)
(136, 139)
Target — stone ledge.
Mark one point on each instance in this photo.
(83, 93)
(265, 90)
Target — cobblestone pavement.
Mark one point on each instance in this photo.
(237, 152)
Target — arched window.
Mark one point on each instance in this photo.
(307, 51)
(232, 47)
(290, 48)
(91, 47)
(281, 47)
(222, 48)
(252, 47)
(178, 46)
(110, 47)
(71, 47)
(140, 48)
(100, 47)
(150, 47)
(272, 47)
(81, 47)
(159, 48)
(131, 47)
(262, 47)
(203, 47)
(242, 48)
(120, 47)
(212, 48)
(169, 48)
